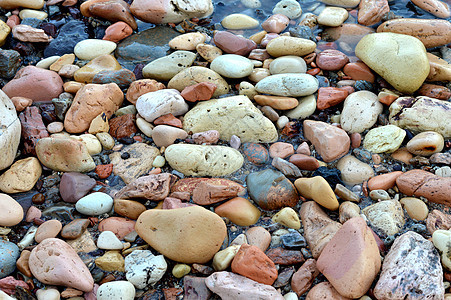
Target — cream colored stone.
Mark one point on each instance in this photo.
(223, 259)
(106, 140)
(348, 210)
(332, 16)
(287, 217)
(416, 209)
(386, 216)
(187, 41)
(91, 48)
(99, 124)
(386, 138)
(354, 171)
(66, 59)
(360, 111)
(144, 126)
(426, 143)
(10, 129)
(442, 241)
(208, 52)
(11, 4)
(342, 3)
(305, 108)
(45, 63)
(247, 89)
(287, 45)
(11, 212)
(239, 21)
(166, 67)
(91, 142)
(31, 13)
(22, 176)
(317, 189)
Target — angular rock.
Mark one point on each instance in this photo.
(140, 87)
(302, 280)
(159, 103)
(372, 11)
(22, 176)
(10, 130)
(73, 186)
(154, 187)
(387, 216)
(9, 63)
(233, 44)
(33, 128)
(234, 115)
(142, 268)
(122, 126)
(410, 256)
(195, 288)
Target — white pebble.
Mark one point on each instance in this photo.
(94, 204)
(108, 240)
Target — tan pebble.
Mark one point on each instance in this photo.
(99, 124)
(180, 270)
(21, 176)
(416, 209)
(48, 229)
(426, 143)
(239, 211)
(208, 52)
(276, 102)
(345, 194)
(258, 74)
(303, 149)
(22, 263)
(128, 208)
(111, 261)
(239, 21)
(348, 210)
(257, 37)
(55, 127)
(287, 217)
(72, 86)
(66, 59)
(332, 16)
(20, 103)
(223, 259)
(258, 236)
(100, 63)
(354, 171)
(247, 89)
(287, 45)
(281, 150)
(187, 41)
(318, 189)
(379, 195)
(31, 13)
(384, 181)
(402, 155)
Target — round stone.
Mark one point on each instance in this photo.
(386, 138)
(94, 204)
(290, 8)
(287, 64)
(426, 143)
(11, 213)
(239, 211)
(91, 48)
(416, 209)
(108, 240)
(120, 289)
(232, 66)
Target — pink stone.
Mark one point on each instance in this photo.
(281, 150)
(331, 60)
(48, 229)
(208, 137)
(372, 11)
(117, 32)
(276, 23)
(233, 44)
(303, 149)
(33, 213)
(54, 262)
(359, 71)
(8, 285)
(119, 226)
(199, 92)
(33, 128)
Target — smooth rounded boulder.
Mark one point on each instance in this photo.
(10, 129)
(188, 235)
(288, 84)
(11, 212)
(399, 59)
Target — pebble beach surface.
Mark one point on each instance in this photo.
(205, 149)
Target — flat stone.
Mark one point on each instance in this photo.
(292, 85)
(74, 186)
(324, 290)
(288, 45)
(372, 12)
(232, 66)
(233, 44)
(111, 261)
(48, 229)
(154, 187)
(121, 227)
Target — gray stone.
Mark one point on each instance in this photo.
(232, 66)
(360, 111)
(9, 63)
(74, 186)
(9, 253)
(386, 216)
(166, 67)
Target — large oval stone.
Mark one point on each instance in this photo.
(54, 262)
(188, 235)
(199, 160)
(234, 115)
(399, 59)
(289, 84)
(11, 212)
(10, 130)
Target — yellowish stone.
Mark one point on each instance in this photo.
(4, 32)
(66, 59)
(332, 16)
(239, 21)
(287, 217)
(180, 270)
(223, 258)
(100, 63)
(319, 190)
(99, 124)
(111, 261)
(22, 176)
(31, 13)
(416, 209)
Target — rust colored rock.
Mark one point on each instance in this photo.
(384, 181)
(253, 263)
(233, 44)
(372, 11)
(206, 193)
(123, 126)
(438, 8)
(331, 60)
(356, 140)
(74, 229)
(169, 120)
(153, 187)
(330, 96)
(359, 71)
(302, 280)
(104, 171)
(331, 142)
(33, 129)
(276, 102)
(172, 293)
(119, 226)
(318, 227)
(189, 184)
(282, 256)
(438, 220)
(304, 162)
(199, 92)
(89, 102)
(117, 32)
(434, 91)
(418, 183)
(324, 290)
(355, 245)
(35, 83)
(432, 33)
(112, 10)
(129, 208)
(140, 87)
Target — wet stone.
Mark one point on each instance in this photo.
(69, 35)
(9, 63)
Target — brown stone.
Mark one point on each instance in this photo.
(35, 83)
(318, 227)
(331, 60)
(233, 44)
(281, 149)
(172, 293)
(330, 96)
(73, 186)
(143, 86)
(302, 280)
(119, 226)
(123, 126)
(276, 102)
(117, 32)
(258, 236)
(239, 211)
(372, 11)
(434, 91)
(195, 288)
(33, 129)
(89, 102)
(20, 103)
(199, 92)
(74, 229)
(189, 184)
(206, 193)
(252, 262)
(438, 220)
(359, 71)
(169, 120)
(112, 10)
(438, 8)
(276, 23)
(129, 208)
(22, 263)
(48, 229)
(304, 162)
(422, 183)
(354, 244)
(324, 290)
(384, 181)
(282, 256)
(153, 187)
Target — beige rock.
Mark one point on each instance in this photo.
(426, 143)
(421, 114)
(164, 68)
(287, 45)
(84, 243)
(66, 59)
(199, 160)
(342, 3)
(440, 69)
(89, 102)
(332, 16)
(101, 63)
(324, 290)
(331, 142)
(154, 187)
(360, 111)
(91, 142)
(287, 217)
(194, 75)
(22, 176)
(91, 48)
(208, 52)
(415, 208)
(54, 262)
(386, 138)
(234, 115)
(259, 237)
(48, 229)
(64, 154)
(223, 259)
(187, 41)
(11, 212)
(347, 211)
(188, 235)
(386, 216)
(11, 4)
(318, 189)
(111, 261)
(354, 171)
(4, 32)
(345, 194)
(26, 33)
(318, 227)
(442, 241)
(128, 208)
(305, 108)
(106, 140)
(239, 21)
(399, 59)
(31, 13)
(99, 124)
(353, 243)
(239, 211)
(164, 135)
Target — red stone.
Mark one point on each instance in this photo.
(170, 120)
(33, 128)
(330, 96)
(233, 44)
(434, 91)
(8, 285)
(359, 71)
(314, 71)
(172, 203)
(331, 60)
(199, 92)
(104, 170)
(356, 140)
(282, 256)
(304, 162)
(119, 226)
(123, 126)
(252, 262)
(117, 32)
(302, 280)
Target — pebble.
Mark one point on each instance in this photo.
(387, 216)
(426, 143)
(354, 171)
(305, 108)
(143, 268)
(94, 204)
(21, 176)
(380, 52)
(258, 236)
(363, 104)
(441, 239)
(110, 261)
(232, 66)
(239, 21)
(353, 242)
(386, 138)
(317, 189)
(91, 143)
(8, 255)
(101, 63)
(287, 45)
(48, 229)
(117, 32)
(332, 16)
(187, 41)
(239, 211)
(223, 259)
(276, 23)
(287, 64)
(74, 229)
(379, 195)
(48, 294)
(11, 212)
(302, 279)
(330, 96)
(177, 230)
(290, 8)
(324, 290)
(342, 3)
(107, 240)
(347, 211)
(91, 48)
(287, 217)
(304, 162)
(165, 68)
(410, 255)
(415, 208)
(383, 181)
(293, 85)
(233, 44)
(121, 289)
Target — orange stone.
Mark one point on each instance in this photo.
(330, 96)
(117, 32)
(384, 181)
(359, 71)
